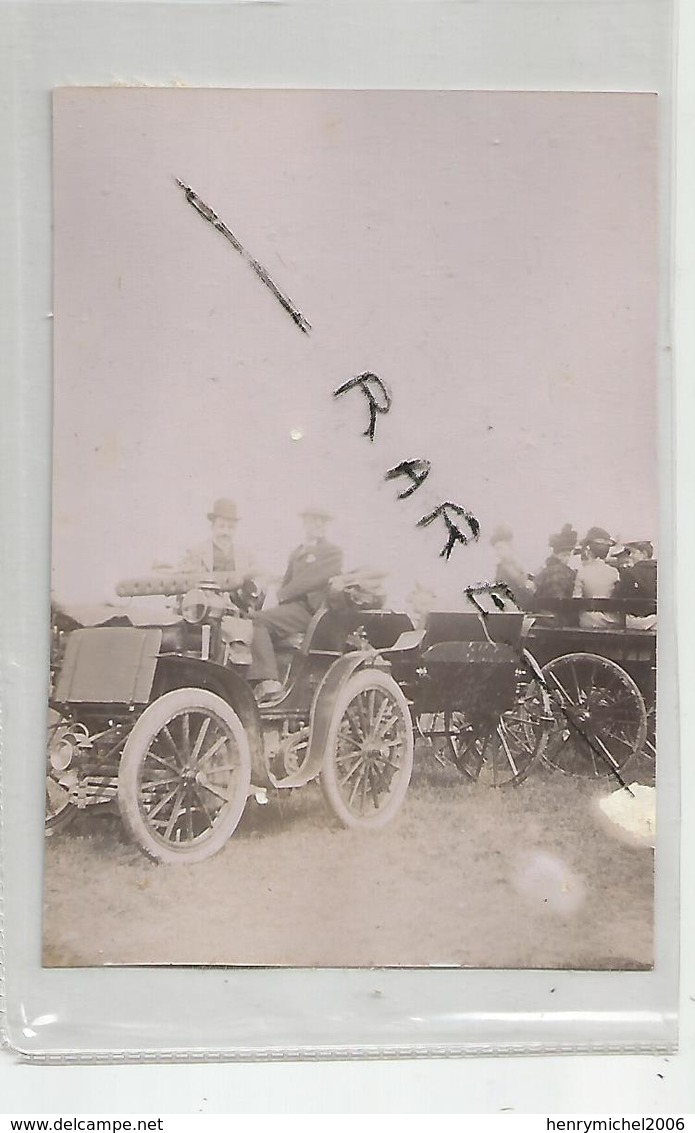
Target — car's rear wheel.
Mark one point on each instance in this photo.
(184, 777)
(369, 753)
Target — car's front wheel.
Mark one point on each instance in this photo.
(184, 777)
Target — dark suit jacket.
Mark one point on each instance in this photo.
(638, 581)
(555, 580)
(309, 570)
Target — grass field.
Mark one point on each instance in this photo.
(464, 875)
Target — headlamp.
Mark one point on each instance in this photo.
(194, 606)
(200, 604)
(62, 748)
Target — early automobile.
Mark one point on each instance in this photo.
(161, 718)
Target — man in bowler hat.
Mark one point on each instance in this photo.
(220, 552)
(302, 591)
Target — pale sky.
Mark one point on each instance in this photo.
(492, 256)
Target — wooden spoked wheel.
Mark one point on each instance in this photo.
(599, 713)
(369, 754)
(184, 777)
(502, 751)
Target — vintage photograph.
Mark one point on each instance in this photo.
(355, 529)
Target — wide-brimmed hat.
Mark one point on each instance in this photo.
(317, 510)
(598, 536)
(223, 509)
(619, 555)
(643, 545)
(564, 540)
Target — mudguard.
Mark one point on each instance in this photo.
(322, 709)
(190, 672)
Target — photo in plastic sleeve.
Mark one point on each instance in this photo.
(354, 529)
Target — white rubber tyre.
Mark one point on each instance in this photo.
(369, 754)
(184, 777)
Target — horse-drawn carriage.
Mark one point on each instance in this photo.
(585, 699)
(161, 718)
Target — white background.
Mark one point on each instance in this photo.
(577, 1084)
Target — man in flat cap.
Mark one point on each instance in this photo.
(220, 552)
(638, 580)
(302, 591)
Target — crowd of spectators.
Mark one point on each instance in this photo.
(595, 567)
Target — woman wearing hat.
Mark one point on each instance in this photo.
(596, 578)
(556, 579)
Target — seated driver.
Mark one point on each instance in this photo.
(302, 591)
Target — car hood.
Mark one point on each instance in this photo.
(137, 612)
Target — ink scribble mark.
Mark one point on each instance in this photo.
(212, 218)
(497, 593)
(418, 470)
(454, 532)
(363, 382)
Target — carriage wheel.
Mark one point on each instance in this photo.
(184, 777)
(600, 715)
(369, 753)
(503, 753)
(649, 749)
(60, 812)
(521, 735)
